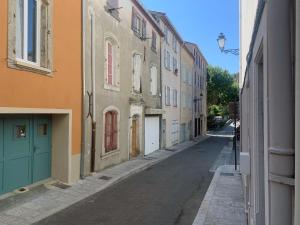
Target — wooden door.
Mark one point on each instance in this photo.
(134, 138)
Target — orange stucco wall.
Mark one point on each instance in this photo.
(63, 90)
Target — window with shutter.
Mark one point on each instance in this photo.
(109, 63)
(111, 131)
(137, 73)
(144, 29)
(153, 43)
(153, 83)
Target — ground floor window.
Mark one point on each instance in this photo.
(111, 131)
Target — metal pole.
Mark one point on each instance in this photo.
(235, 157)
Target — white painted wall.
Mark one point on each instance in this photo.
(247, 19)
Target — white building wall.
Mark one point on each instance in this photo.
(247, 19)
(170, 79)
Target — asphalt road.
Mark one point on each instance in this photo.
(168, 193)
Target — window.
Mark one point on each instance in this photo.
(111, 64)
(174, 43)
(175, 69)
(175, 97)
(113, 8)
(137, 63)
(166, 34)
(167, 95)
(111, 131)
(167, 59)
(153, 80)
(153, 43)
(139, 25)
(32, 32)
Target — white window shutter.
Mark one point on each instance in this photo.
(153, 87)
(137, 73)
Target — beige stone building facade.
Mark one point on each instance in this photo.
(199, 90)
(171, 47)
(270, 110)
(122, 81)
(186, 94)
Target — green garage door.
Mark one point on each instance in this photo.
(24, 151)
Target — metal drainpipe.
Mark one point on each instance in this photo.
(297, 119)
(281, 127)
(93, 152)
(83, 21)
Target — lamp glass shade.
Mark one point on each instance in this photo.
(221, 41)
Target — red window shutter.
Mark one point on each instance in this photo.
(109, 64)
(115, 130)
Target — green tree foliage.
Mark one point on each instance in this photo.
(222, 88)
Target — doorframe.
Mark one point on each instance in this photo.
(63, 166)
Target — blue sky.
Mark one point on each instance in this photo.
(201, 21)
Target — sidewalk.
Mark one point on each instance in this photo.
(224, 202)
(46, 199)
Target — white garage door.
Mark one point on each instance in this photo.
(151, 134)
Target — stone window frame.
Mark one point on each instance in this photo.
(139, 76)
(152, 66)
(110, 38)
(19, 64)
(110, 108)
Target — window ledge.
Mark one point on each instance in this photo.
(112, 88)
(32, 67)
(110, 154)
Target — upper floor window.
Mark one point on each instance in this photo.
(175, 97)
(112, 7)
(153, 42)
(153, 81)
(166, 34)
(167, 96)
(137, 64)
(112, 79)
(167, 59)
(32, 32)
(138, 24)
(175, 66)
(111, 131)
(174, 43)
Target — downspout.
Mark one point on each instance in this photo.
(179, 91)
(297, 119)
(93, 152)
(161, 93)
(83, 25)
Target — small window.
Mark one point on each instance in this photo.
(20, 131)
(175, 98)
(175, 66)
(153, 81)
(111, 64)
(139, 25)
(153, 43)
(167, 95)
(137, 63)
(111, 131)
(43, 129)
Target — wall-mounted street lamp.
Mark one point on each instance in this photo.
(221, 42)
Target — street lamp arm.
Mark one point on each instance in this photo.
(232, 51)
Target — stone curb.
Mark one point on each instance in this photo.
(203, 210)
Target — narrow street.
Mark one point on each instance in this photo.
(168, 193)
